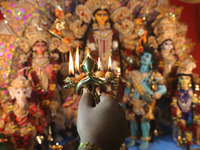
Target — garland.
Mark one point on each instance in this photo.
(46, 97)
(183, 128)
(21, 141)
(95, 54)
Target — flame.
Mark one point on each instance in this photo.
(99, 63)
(87, 51)
(77, 59)
(109, 63)
(71, 66)
(118, 70)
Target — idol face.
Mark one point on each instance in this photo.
(40, 47)
(101, 17)
(184, 81)
(146, 59)
(167, 45)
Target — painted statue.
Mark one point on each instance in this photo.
(144, 87)
(21, 119)
(165, 29)
(99, 26)
(41, 68)
(185, 105)
(102, 39)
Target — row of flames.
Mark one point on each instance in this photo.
(77, 65)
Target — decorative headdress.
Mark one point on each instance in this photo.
(165, 27)
(85, 12)
(36, 31)
(182, 29)
(186, 66)
(118, 14)
(20, 82)
(110, 5)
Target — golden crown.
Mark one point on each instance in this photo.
(36, 30)
(33, 37)
(165, 27)
(110, 5)
(165, 36)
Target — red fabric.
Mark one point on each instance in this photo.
(191, 16)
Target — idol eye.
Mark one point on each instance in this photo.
(18, 92)
(99, 15)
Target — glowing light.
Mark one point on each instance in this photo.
(87, 51)
(77, 59)
(99, 64)
(39, 138)
(118, 70)
(109, 63)
(197, 87)
(9, 56)
(71, 66)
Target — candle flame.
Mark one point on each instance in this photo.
(71, 66)
(109, 63)
(99, 63)
(77, 59)
(87, 51)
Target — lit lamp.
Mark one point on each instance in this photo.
(78, 75)
(109, 64)
(110, 75)
(56, 147)
(71, 80)
(99, 73)
(87, 52)
(71, 66)
(40, 139)
(91, 81)
(99, 64)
